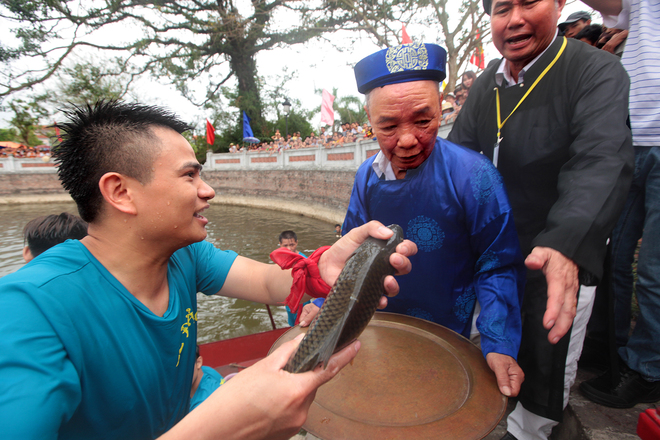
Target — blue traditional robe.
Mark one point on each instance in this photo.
(454, 207)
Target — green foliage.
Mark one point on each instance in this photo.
(232, 136)
(8, 134)
(298, 121)
(198, 143)
(87, 82)
(350, 109)
(26, 120)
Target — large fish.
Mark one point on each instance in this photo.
(351, 303)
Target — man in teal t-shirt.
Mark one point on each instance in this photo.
(99, 335)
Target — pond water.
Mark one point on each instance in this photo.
(251, 232)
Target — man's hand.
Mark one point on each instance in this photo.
(561, 275)
(508, 373)
(262, 401)
(308, 314)
(618, 37)
(333, 260)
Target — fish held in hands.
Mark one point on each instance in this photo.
(350, 305)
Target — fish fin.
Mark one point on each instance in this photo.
(330, 343)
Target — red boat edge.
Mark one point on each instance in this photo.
(235, 354)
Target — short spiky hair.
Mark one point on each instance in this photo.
(42, 233)
(285, 235)
(110, 136)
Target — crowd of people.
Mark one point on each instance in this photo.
(348, 132)
(453, 101)
(21, 151)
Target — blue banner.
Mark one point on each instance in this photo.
(247, 130)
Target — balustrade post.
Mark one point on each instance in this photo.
(210, 162)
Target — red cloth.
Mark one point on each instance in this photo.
(405, 39)
(648, 425)
(478, 58)
(210, 133)
(306, 275)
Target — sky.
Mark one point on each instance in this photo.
(318, 65)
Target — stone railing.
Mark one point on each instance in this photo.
(38, 165)
(348, 156)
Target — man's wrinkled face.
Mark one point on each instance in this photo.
(522, 29)
(404, 118)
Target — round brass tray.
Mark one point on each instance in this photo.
(412, 379)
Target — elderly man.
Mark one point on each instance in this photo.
(99, 335)
(450, 201)
(561, 142)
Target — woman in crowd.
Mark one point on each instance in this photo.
(467, 80)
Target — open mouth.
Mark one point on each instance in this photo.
(199, 215)
(409, 159)
(518, 40)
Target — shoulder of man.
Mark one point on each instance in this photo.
(54, 263)
(586, 56)
(367, 165)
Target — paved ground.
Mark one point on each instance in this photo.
(585, 420)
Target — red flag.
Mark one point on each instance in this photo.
(405, 39)
(478, 58)
(327, 113)
(57, 131)
(210, 133)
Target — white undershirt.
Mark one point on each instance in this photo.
(382, 165)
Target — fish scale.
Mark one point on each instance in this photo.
(350, 305)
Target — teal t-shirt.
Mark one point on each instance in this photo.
(80, 357)
(210, 381)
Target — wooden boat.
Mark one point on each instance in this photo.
(233, 355)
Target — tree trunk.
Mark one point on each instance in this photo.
(249, 99)
(452, 71)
